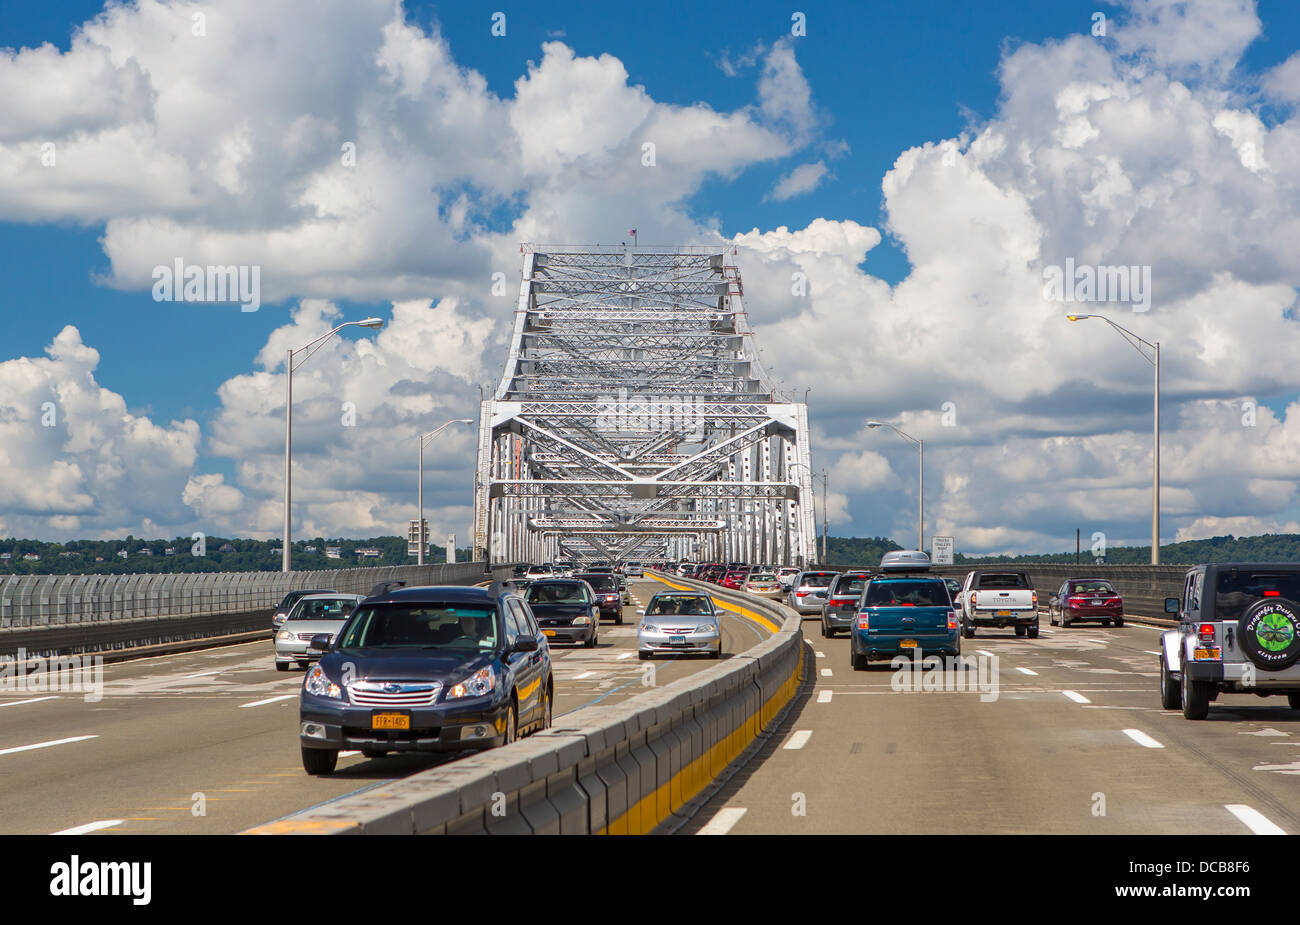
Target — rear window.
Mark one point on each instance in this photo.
(1092, 587)
(911, 593)
(1004, 581)
(1236, 592)
(566, 593)
(850, 584)
(817, 580)
(600, 582)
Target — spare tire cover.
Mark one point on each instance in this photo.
(1269, 633)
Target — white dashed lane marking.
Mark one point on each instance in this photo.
(19, 703)
(1141, 738)
(1076, 697)
(723, 822)
(1027, 671)
(824, 696)
(799, 739)
(260, 703)
(90, 827)
(52, 742)
(1253, 819)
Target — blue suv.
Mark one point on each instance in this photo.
(430, 669)
(905, 611)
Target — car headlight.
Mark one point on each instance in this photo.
(284, 634)
(479, 683)
(318, 683)
(649, 628)
(582, 621)
(705, 628)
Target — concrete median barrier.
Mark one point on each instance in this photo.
(623, 769)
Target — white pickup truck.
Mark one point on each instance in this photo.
(998, 598)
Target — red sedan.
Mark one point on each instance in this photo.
(735, 579)
(1091, 599)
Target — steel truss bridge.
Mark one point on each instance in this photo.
(634, 419)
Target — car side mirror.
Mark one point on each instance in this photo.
(525, 643)
(319, 644)
(1171, 605)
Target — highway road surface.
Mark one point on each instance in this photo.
(1075, 742)
(207, 742)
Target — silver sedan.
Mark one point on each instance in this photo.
(679, 621)
(314, 613)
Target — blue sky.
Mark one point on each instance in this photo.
(884, 78)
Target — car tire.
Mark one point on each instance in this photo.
(968, 629)
(548, 708)
(1196, 697)
(1293, 701)
(1119, 621)
(590, 643)
(281, 666)
(1021, 629)
(304, 665)
(825, 635)
(1051, 617)
(1105, 623)
(859, 662)
(1065, 621)
(618, 621)
(512, 725)
(319, 761)
(1278, 618)
(716, 653)
(1171, 694)
(1032, 630)
(643, 655)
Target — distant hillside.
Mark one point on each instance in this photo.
(1270, 547)
(219, 554)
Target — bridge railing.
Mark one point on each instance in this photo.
(52, 614)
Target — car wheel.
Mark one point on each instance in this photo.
(1032, 631)
(1196, 697)
(548, 709)
(591, 643)
(1065, 621)
(1293, 701)
(618, 621)
(1171, 695)
(825, 635)
(1051, 617)
(512, 724)
(304, 665)
(1020, 629)
(1119, 621)
(319, 760)
(716, 653)
(281, 666)
(859, 662)
(643, 655)
(968, 629)
(1105, 623)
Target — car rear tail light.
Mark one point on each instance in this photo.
(1075, 600)
(1035, 598)
(864, 622)
(1206, 630)
(972, 598)
(953, 617)
(1272, 594)
(801, 594)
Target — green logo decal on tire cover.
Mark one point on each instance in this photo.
(1274, 632)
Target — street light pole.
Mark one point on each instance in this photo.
(308, 350)
(1154, 360)
(419, 523)
(920, 490)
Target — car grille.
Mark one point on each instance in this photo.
(685, 630)
(307, 637)
(405, 694)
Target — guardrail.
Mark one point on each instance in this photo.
(1143, 587)
(66, 614)
(628, 768)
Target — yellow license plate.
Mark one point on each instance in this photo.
(1208, 653)
(1004, 613)
(548, 632)
(390, 721)
(907, 644)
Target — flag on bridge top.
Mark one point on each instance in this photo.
(631, 231)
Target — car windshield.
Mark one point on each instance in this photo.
(818, 580)
(569, 592)
(294, 597)
(1238, 590)
(1093, 587)
(912, 593)
(1003, 581)
(678, 606)
(335, 608)
(422, 626)
(600, 583)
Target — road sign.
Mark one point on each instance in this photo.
(941, 548)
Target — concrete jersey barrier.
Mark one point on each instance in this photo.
(620, 769)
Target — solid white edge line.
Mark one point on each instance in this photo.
(824, 696)
(259, 703)
(1076, 696)
(1141, 738)
(1027, 671)
(28, 748)
(19, 703)
(799, 739)
(90, 827)
(1254, 820)
(723, 821)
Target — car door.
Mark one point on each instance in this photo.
(521, 664)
